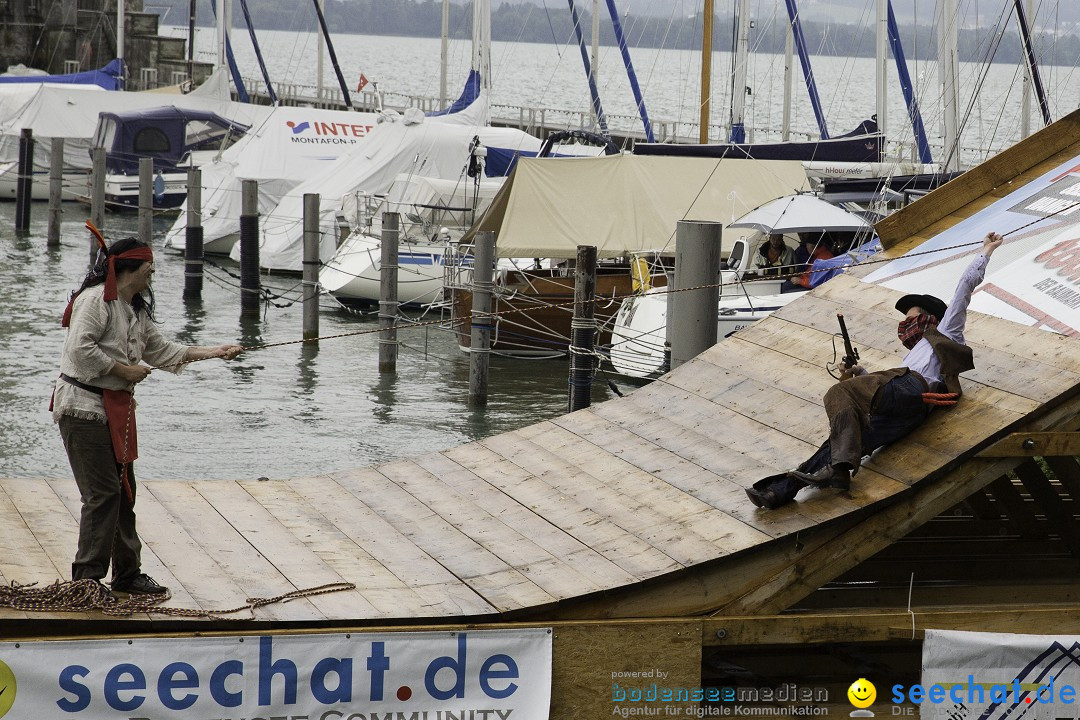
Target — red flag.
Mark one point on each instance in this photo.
(361, 83)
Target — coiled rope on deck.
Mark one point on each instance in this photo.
(91, 595)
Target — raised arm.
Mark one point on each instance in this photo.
(952, 325)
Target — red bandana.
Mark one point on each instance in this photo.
(910, 330)
(137, 253)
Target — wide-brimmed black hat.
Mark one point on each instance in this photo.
(929, 303)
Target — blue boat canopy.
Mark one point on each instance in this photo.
(166, 134)
(109, 77)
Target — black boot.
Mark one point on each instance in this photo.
(837, 476)
(763, 498)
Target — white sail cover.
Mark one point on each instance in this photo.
(625, 204)
(436, 147)
(289, 146)
(71, 112)
(1033, 278)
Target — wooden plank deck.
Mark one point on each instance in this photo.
(635, 506)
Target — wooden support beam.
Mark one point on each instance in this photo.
(883, 625)
(1038, 444)
(1016, 508)
(1067, 470)
(981, 507)
(1061, 519)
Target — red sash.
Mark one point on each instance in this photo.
(121, 417)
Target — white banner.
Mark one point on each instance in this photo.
(478, 675)
(993, 676)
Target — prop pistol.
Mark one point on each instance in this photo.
(851, 355)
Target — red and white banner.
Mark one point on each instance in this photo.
(490, 674)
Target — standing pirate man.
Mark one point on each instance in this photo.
(869, 410)
(111, 332)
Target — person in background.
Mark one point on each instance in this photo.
(111, 333)
(811, 248)
(773, 257)
(869, 410)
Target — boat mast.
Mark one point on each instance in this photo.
(948, 70)
(191, 42)
(1025, 99)
(321, 49)
(481, 42)
(881, 78)
(789, 78)
(443, 52)
(738, 91)
(706, 72)
(120, 42)
(1032, 64)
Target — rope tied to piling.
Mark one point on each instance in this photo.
(92, 595)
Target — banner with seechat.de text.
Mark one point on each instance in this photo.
(492, 674)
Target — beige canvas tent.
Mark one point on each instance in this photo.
(625, 204)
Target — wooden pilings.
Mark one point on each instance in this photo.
(583, 329)
(146, 199)
(97, 196)
(692, 321)
(311, 268)
(56, 189)
(193, 238)
(25, 180)
(480, 342)
(250, 290)
(388, 293)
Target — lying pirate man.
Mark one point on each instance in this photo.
(867, 410)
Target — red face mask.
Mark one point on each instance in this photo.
(910, 330)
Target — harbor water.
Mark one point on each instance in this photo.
(286, 411)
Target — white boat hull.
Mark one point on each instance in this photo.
(353, 274)
(637, 338)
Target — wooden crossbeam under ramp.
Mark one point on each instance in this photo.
(632, 508)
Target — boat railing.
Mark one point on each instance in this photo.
(543, 121)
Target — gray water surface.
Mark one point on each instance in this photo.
(279, 412)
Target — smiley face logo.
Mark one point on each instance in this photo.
(862, 693)
(7, 688)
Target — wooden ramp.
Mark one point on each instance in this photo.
(633, 508)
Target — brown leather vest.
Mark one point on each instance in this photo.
(954, 357)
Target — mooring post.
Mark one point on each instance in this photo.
(56, 190)
(250, 290)
(193, 237)
(146, 199)
(311, 268)
(388, 293)
(97, 197)
(24, 183)
(692, 320)
(583, 329)
(480, 341)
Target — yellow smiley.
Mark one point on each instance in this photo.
(7, 688)
(862, 693)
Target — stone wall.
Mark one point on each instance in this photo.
(44, 34)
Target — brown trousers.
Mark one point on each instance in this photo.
(107, 521)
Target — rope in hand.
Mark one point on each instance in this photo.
(91, 595)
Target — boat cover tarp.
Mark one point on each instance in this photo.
(289, 146)
(172, 121)
(626, 203)
(71, 112)
(437, 147)
(864, 144)
(107, 77)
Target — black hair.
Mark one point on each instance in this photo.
(142, 302)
